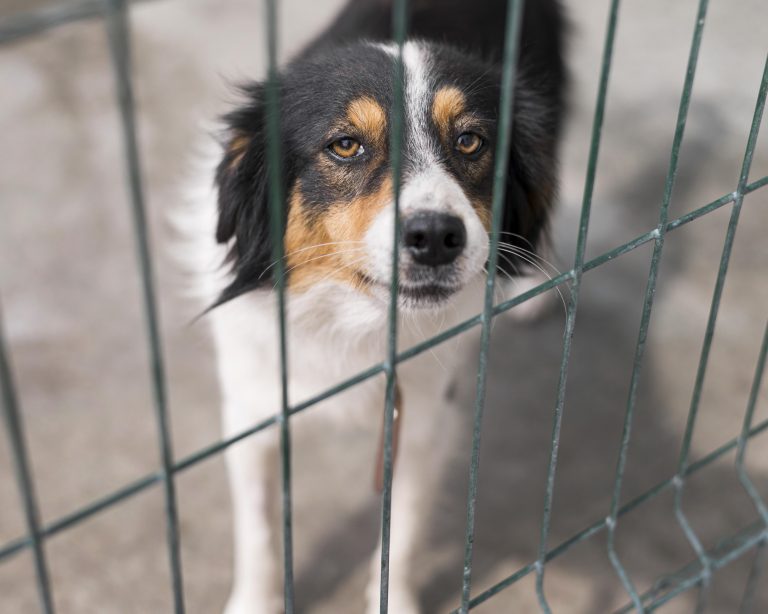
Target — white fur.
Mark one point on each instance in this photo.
(418, 88)
(417, 65)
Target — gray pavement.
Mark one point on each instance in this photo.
(72, 314)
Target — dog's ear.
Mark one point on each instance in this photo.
(531, 176)
(243, 196)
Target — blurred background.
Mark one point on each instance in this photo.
(72, 314)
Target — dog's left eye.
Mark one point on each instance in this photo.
(346, 147)
(469, 143)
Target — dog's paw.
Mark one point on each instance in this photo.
(534, 308)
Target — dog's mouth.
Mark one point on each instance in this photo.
(415, 294)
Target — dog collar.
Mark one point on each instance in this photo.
(397, 417)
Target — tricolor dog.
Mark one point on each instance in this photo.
(336, 101)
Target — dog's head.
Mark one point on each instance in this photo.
(336, 120)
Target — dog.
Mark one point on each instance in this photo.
(336, 100)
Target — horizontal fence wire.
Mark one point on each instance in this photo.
(504, 142)
(40, 20)
(119, 45)
(696, 574)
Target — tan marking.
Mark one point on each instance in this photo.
(340, 224)
(368, 117)
(350, 221)
(448, 105)
(236, 149)
(483, 210)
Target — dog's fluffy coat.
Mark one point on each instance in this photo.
(336, 98)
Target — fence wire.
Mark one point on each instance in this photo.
(117, 31)
(753, 538)
(650, 293)
(506, 102)
(276, 206)
(399, 27)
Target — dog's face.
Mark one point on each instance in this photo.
(336, 123)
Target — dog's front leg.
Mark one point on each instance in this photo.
(428, 424)
(252, 476)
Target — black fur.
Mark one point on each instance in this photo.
(336, 68)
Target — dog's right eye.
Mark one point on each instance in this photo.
(469, 143)
(346, 148)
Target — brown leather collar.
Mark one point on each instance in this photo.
(397, 418)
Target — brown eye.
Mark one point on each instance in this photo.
(346, 147)
(469, 143)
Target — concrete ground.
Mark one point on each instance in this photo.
(71, 311)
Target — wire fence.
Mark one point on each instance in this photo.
(696, 576)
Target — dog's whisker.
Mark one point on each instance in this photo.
(546, 274)
(304, 249)
(335, 270)
(523, 254)
(314, 259)
(520, 252)
(423, 336)
(343, 267)
(509, 261)
(475, 85)
(517, 236)
(531, 254)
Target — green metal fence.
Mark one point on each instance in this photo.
(697, 575)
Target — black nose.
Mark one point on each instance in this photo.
(434, 238)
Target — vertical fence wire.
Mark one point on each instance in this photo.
(506, 102)
(277, 220)
(15, 428)
(758, 564)
(648, 301)
(760, 369)
(399, 29)
(119, 43)
(746, 481)
(570, 323)
(708, 337)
